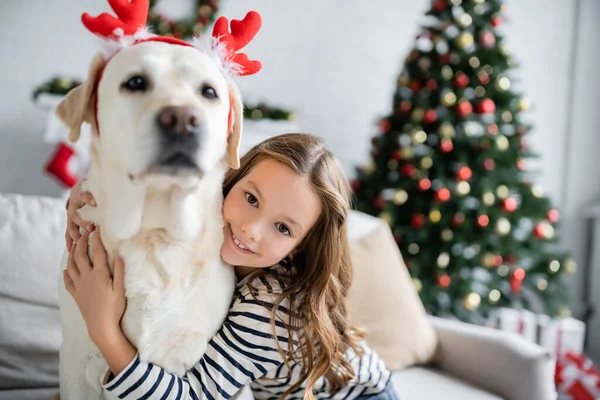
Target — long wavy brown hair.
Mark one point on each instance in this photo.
(321, 271)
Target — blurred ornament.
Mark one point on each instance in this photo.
(537, 190)
(400, 197)
(502, 191)
(509, 204)
(424, 63)
(564, 313)
(554, 266)
(552, 215)
(435, 216)
(424, 184)
(487, 39)
(463, 188)
(487, 260)
(443, 260)
(447, 130)
(397, 155)
(446, 145)
(464, 173)
(432, 84)
(407, 153)
(486, 106)
(444, 281)
(480, 91)
(447, 235)
(478, 1)
(392, 164)
(464, 40)
(521, 164)
(461, 80)
(524, 104)
(465, 20)
(503, 270)
(570, 266)
(483, 221)
(413, 249)
(403, 80)
(430, 116)
(414, 86)
(369, 167)
(516, 280)
(379, 202)
(483, 77)
(447, 72)
(417, 114)
(448, 98)
(408, 170)
(419, 136)
(542, 284)
(386, 216)
(496, 21)
(384, 125)
(426, 162)
(440, 5)
(474, 62)
(511, 259)
(489, 164)
(442, 195)
(494, 296)
(473, 128)
(418, 221)
(503, 83)
(543, 230)
(502, 226)
(458, 219)
(405, 106)
(354, 185)
(472, 301)
(464, 108)
(507, 116)
(488, 198)
(493, 129)
(417, 284)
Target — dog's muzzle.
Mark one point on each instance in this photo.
(179, 129)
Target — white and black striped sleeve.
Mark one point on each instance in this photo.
(242, 351)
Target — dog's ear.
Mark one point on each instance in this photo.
(78, 105)
(233, 141)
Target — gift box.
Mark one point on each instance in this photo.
(522, 322)
(576, 378)
(561, 336)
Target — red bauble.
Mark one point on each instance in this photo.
(424, 184)
(405, 106)
(414, 86)
(552, 215)
(487, 39)
(444, 281)
(430, 116)
(464, 108)
(497, 21)
(484, 78)
(444, 58)
(355, 185)
(493, 129)
(497, 260)
(519, 274)
(489, 164)
(397, 155)
(432, 84)
(418, 221)
(408, 169)
(442, 195)
(538, 231)
(486, 106)
(440, 5)
(510, 259)
(446, 145)
(515, 285)
(379, 202)
(384, 125)
(483, 221)
(509, 204)
(464, 173)
(461, 80)
(458, 219)
(521, 165)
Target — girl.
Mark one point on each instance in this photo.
(286, 334)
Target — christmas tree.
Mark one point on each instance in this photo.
(448, 174)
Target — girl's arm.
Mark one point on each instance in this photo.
(242, 351)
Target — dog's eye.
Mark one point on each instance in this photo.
(136, 83)
(209, 92)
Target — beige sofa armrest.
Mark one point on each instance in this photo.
(500, 362)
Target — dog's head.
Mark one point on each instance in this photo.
(162, 108)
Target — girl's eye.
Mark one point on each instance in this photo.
(283, 229)
(251, 199)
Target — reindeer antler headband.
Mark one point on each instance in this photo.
(129, 28)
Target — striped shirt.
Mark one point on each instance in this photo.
(245, 352)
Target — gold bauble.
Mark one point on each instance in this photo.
(463, 188)
(447, 235)
(487, 260)
(472, 301)
(507, 116)
(443, 260)
(418, 284)
(447, 72)
(386, 216)
(403, 80)
(503, 83)
(419, 136)
(542, 284)
(464, 40)
(570, 266)
(424, 63)
(474, 62)
(537, 190)
(503, 270)
(417, 114)
(524, 104)
(400, 197)
(447, 130)
(435, 216)
(407, 153)
(502, 226)
(369, 167)
(413, 248)
(502, 142)
(488, 199)
(480, 91)
(448, 99)
(426, 162)
(502, 192)
(494, 296)
(392, 164)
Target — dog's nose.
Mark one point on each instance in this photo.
(178, 121)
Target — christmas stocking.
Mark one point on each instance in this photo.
(58, 165)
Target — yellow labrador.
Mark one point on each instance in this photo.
(167, 121)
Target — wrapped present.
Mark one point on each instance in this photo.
(522, 322)
(561, 336)
(577, 378)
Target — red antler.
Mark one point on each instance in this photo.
(132, 15)
(241, 34)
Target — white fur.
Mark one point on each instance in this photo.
(167, 229)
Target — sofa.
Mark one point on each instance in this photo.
(431, 358)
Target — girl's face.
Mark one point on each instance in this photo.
(266, 215)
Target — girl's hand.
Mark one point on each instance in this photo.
(77, 199)
(100, 297)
